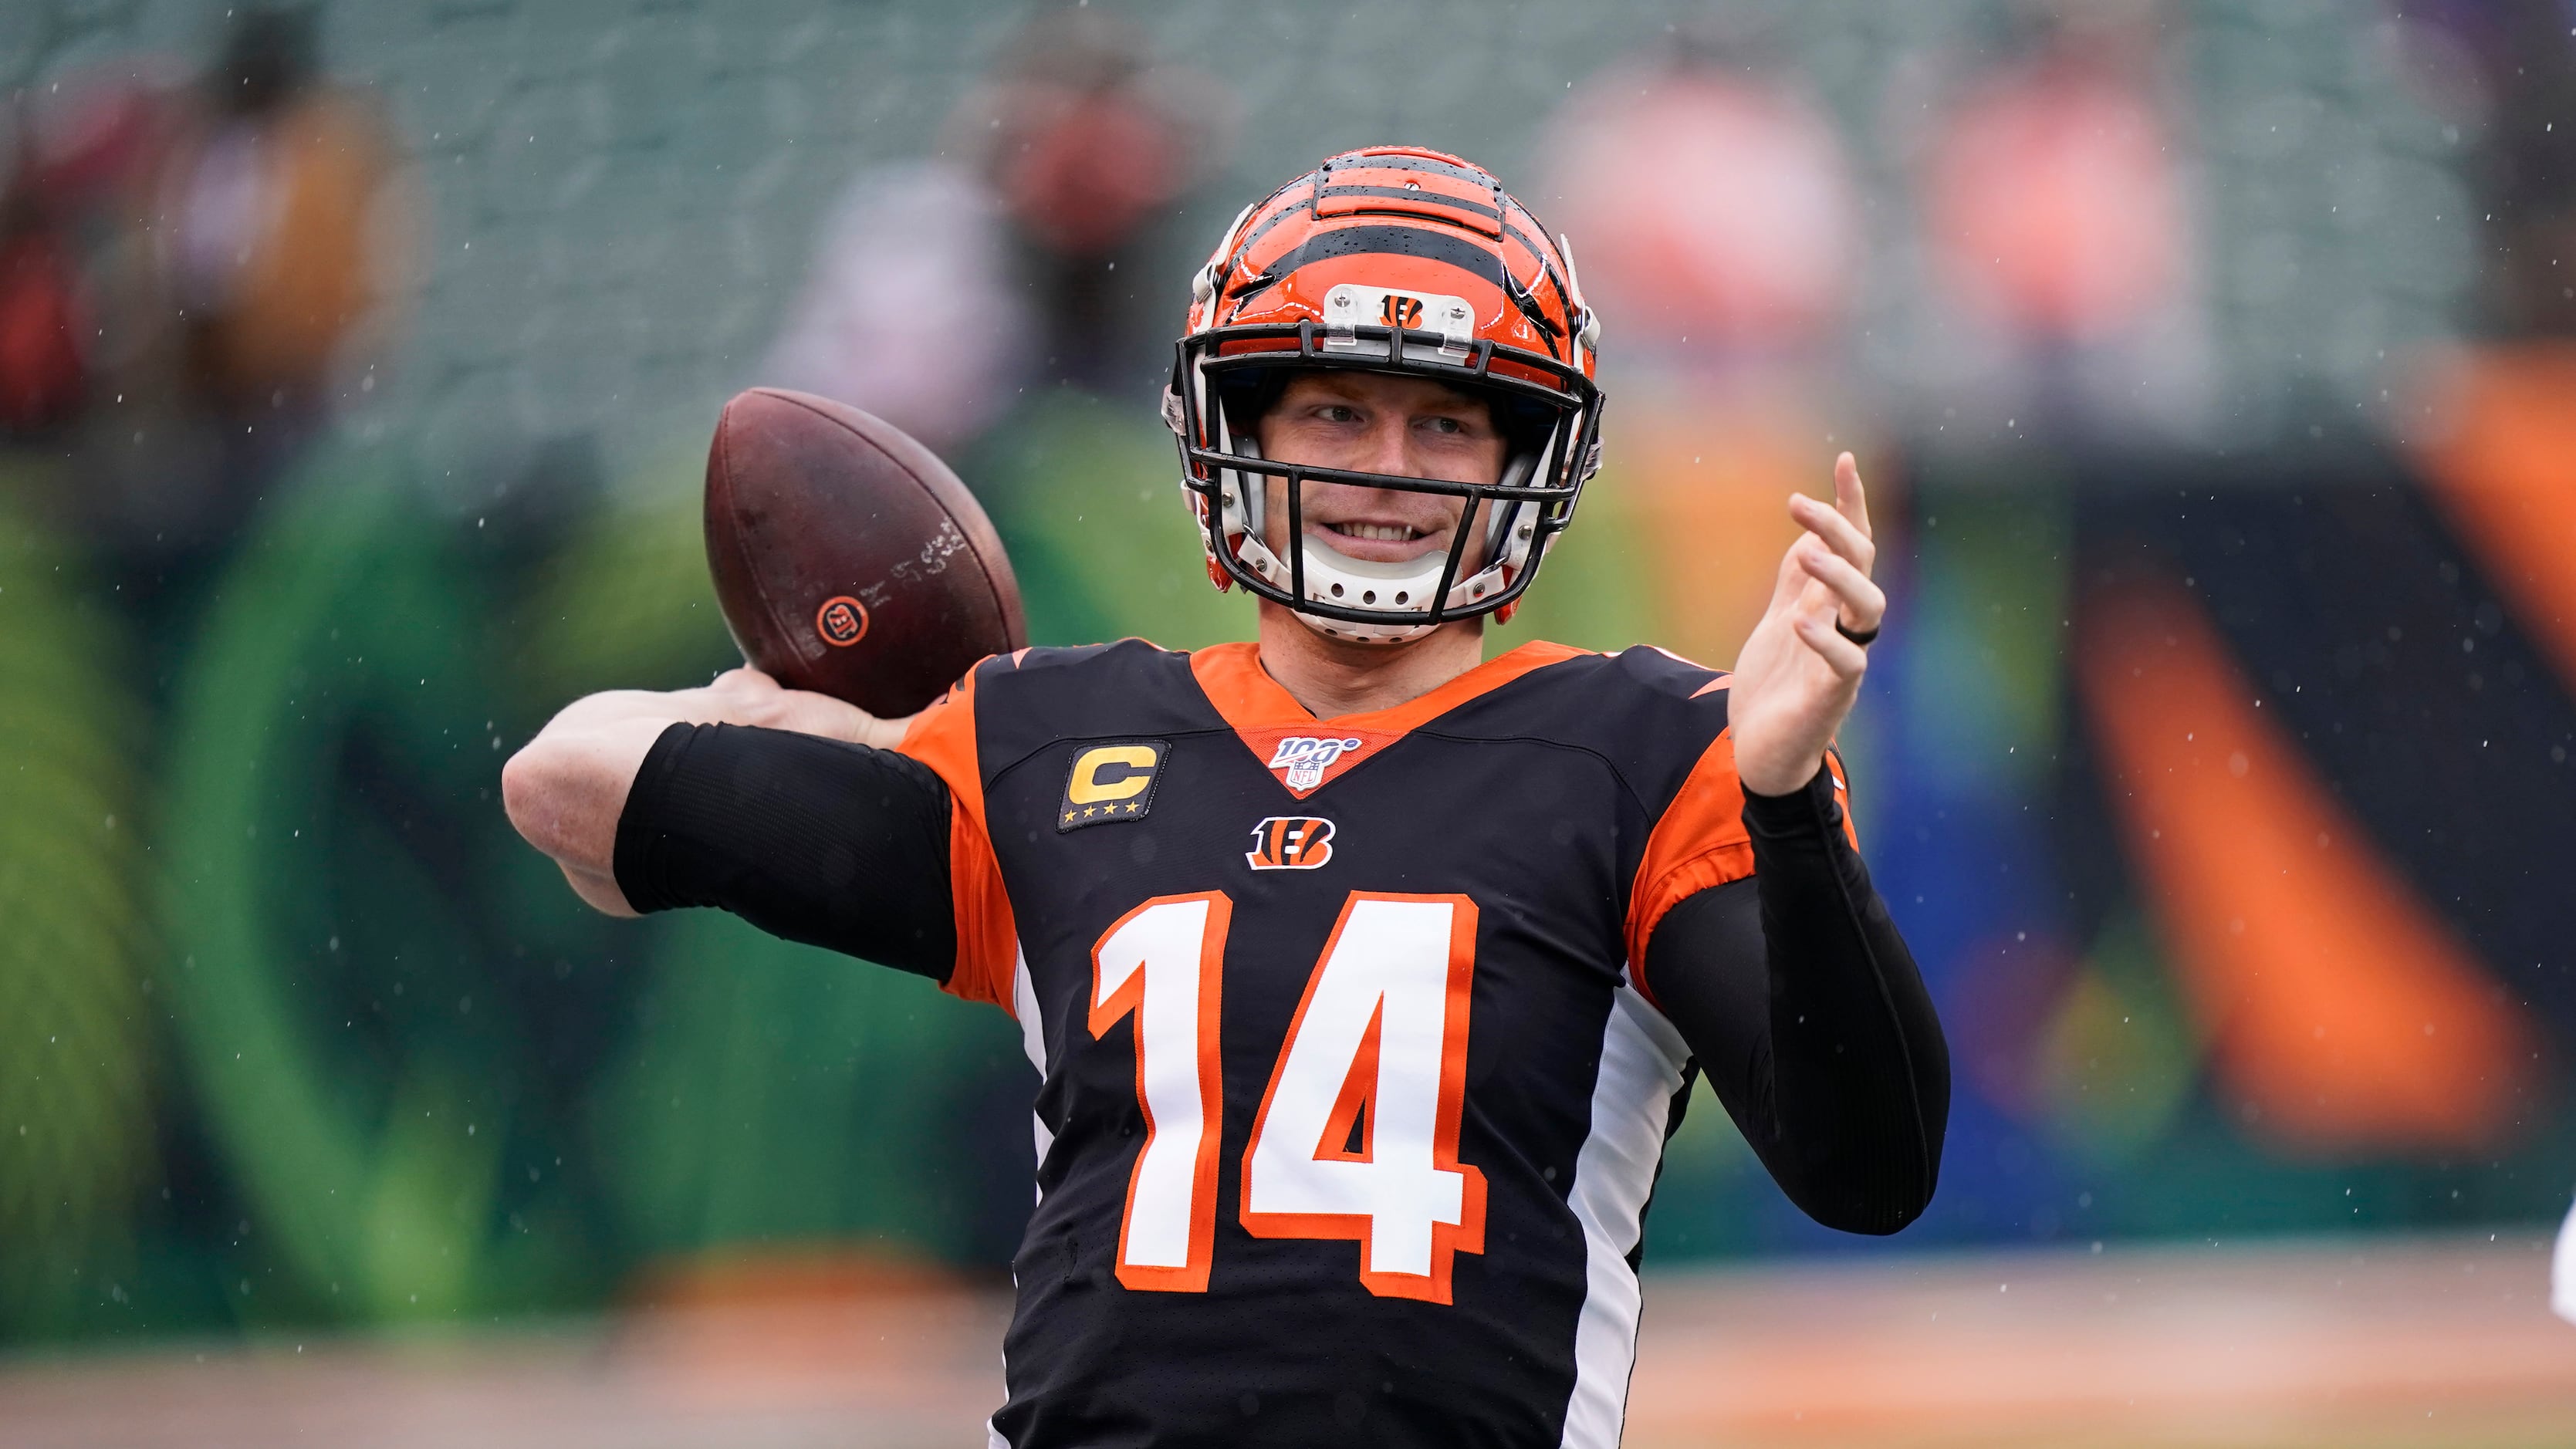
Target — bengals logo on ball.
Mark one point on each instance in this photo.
(1399, 311)
(842, 621)
(1290, 842)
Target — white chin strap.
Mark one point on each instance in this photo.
(1392, 589)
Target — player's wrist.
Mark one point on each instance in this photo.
(1779, 781)
(1808, 808)
(742, 698)
(748, 697)
(820, 714)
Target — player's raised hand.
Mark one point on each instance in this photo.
(1798, 675)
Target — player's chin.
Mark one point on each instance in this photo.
(1379, 550)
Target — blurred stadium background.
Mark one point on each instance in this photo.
(2213, 361)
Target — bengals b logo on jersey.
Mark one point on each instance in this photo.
(1290, 842)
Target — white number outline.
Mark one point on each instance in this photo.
(1361, 1078)
(1128, 999)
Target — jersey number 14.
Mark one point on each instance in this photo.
(1357, 1136)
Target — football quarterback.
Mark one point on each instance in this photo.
(1365, 976)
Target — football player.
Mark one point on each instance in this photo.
(1365, 977)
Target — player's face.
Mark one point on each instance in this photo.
(1374, 423)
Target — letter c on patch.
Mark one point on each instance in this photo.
(1093, 781)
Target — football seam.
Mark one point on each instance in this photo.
(742, 547)
(983, 565)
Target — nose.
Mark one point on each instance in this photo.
(1388, 446)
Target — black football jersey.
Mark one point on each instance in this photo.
(1352, 1101)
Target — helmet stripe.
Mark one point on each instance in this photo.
(1425, 242)
(1404, 160)
(1422, 199)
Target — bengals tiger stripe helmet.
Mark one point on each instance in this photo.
(1399, 260)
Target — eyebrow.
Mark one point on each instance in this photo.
(1446, 403)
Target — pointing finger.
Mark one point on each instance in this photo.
(1850, 499)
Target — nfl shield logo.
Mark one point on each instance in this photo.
(1305, 758)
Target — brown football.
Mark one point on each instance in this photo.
(848, 559)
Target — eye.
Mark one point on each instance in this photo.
(1338, 413)
(1450, 426)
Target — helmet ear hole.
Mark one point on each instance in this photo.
(1248, 395)
(1509, 519)
(1525, 425)
(1242, 492)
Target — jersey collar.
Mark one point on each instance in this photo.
(1304, 753)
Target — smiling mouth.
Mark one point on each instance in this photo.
(1375, 542)
(1375, 532)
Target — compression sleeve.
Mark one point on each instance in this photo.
(816, 840)
(1801, 1002)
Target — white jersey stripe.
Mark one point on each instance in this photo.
(1024, 1007)
(2562, 1291)
(1641, 1068)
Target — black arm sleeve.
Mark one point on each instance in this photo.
(1801, 1002)
(831, 844)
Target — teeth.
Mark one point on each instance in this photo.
(1386, 532)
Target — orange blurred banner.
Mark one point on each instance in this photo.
(2341, 1009)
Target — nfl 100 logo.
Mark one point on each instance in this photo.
(1306, 758)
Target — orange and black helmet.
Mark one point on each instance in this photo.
(1400, 260)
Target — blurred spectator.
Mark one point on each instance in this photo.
(909, 312)
(196, 270)
(89, 148)
(43, 365)
(2062, 236)
(1716, 207)
(942, 288)
(277, 257)
(1714, 219)
(2054, 201)
(73, 209)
